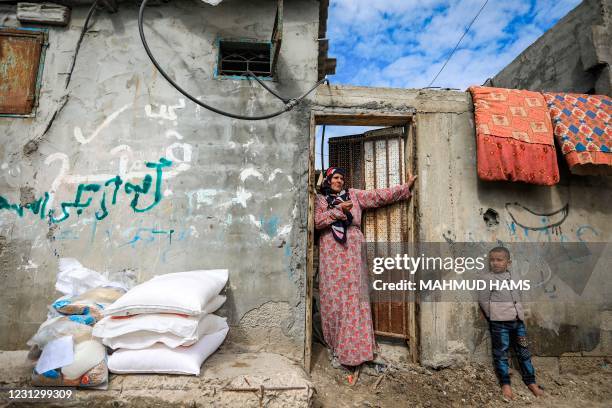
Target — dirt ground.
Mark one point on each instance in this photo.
(570, 382)
(581, 382)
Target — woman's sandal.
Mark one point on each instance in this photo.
(353, 378)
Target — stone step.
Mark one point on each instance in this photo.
(227, 379)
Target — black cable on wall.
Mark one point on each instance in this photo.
(290, 103)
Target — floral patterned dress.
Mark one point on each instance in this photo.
(343, 278)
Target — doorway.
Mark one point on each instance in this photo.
(381, 156)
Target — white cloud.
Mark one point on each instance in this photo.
(404, 43)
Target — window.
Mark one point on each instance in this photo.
(21, 56)
(260, 57)
(236, 58)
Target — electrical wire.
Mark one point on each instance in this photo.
(457, 45)
(290, 103)
(272, 91)
(323, 142)
(322, 148)
(78, 44)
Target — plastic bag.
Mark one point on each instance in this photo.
(96, 377)
(74, 279)
(87, 355)
(91, 303)
(89, 367)
(59, 327)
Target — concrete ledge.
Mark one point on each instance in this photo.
(419, 100)
(224, 382)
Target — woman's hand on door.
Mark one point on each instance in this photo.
(411, 180)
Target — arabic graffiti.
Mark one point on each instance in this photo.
(38, 206)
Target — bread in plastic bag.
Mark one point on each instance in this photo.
(59, 327)
(91, 302)
(87, 355)
(95, 377)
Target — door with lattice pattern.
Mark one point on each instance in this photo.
(377, 159)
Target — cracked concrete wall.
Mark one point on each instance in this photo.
(573, 56)
(453, 205)
(235, 195)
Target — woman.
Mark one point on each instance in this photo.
(343, 279)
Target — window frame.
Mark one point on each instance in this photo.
(219, 40)
(34, 32)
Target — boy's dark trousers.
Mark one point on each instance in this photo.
(504, 335)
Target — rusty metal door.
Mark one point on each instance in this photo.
(377, 159)
(20, 54)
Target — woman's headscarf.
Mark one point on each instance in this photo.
(339, 227)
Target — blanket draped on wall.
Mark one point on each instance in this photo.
(583, 129)
(514, 137)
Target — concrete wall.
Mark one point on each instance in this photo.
(573, 56)
(236, 193)
(234, 197)
(451, 202)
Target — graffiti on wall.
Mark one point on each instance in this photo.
(102, 189)
(86, 192)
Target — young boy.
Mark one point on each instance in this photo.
(505, 315)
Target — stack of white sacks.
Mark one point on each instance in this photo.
(166, 325)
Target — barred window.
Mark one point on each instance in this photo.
(236, 58)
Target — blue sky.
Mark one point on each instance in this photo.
(403, 43)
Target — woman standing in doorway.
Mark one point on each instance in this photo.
(346, 316)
